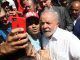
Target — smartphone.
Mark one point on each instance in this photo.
(18, 22)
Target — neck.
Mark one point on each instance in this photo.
(49, 37)
(35, 36)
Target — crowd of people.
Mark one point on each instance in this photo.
(39, 29)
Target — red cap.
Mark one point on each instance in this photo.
(29, 14)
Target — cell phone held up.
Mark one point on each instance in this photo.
(19, 22)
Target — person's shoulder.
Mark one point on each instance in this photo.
(62, 30)
(61, 7)
(65, 33)
(65, 36)
(69, 35)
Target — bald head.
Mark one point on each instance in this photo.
(75, 4)
(75, 8)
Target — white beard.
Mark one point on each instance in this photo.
(49, 33)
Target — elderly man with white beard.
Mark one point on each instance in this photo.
(61, 44)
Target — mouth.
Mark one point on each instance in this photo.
(46, 31)
(35, 30)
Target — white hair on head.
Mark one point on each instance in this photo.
(51, 11)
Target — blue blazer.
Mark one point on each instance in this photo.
(76, 29)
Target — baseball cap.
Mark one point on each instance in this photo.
(32, 18)
(29, 14)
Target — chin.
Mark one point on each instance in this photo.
(47, 34)
(36, 33)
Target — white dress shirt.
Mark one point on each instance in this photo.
(63, 45)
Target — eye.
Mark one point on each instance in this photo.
(48, 23)
(41, 23)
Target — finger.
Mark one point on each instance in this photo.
(19, 42)
(17, 37)
(21, 47)
(20, 36)
(16, 30)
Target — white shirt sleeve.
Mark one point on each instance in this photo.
(74, 46)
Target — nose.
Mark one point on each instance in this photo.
(74, 11)
(45, 26)
(33, 25)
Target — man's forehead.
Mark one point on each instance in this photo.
(75, 3)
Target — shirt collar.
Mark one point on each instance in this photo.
(54, 36)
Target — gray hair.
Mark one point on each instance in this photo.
(52, 12)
